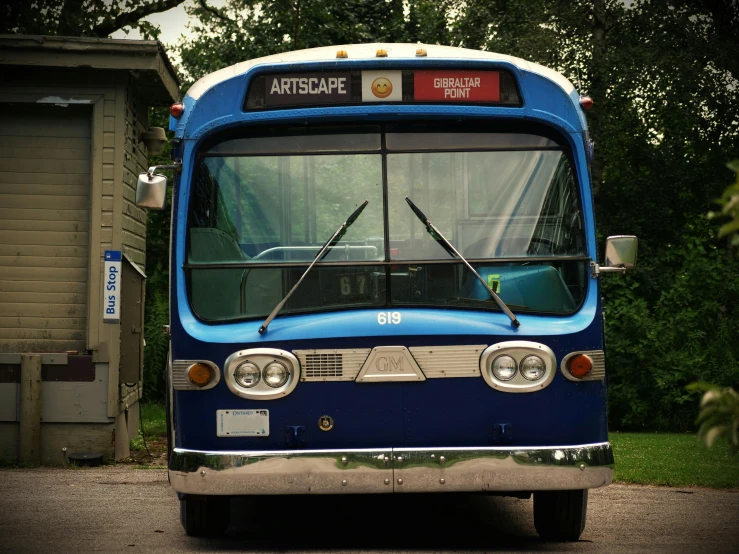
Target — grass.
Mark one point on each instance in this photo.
(154, 419)
(673, 459)
(152, 453)
(153, 423)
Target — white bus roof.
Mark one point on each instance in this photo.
(369, 51)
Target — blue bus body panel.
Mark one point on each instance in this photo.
(437, 412)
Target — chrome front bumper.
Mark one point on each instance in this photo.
(392, 470)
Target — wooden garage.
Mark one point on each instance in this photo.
(44, 227)
(74, 135)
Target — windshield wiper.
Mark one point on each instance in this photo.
(330, 243)
(438, 237)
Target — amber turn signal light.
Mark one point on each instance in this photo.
(580, 366)
(200, 374)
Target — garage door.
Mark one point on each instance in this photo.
(44, 227)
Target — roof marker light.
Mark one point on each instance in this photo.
(586, 102)
(381, 53)
(421, 53)
(177, 109)
(342, 54)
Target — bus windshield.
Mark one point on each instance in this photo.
(261, 206)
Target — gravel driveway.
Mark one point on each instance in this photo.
(116, 509)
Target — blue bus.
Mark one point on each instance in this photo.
(384, 279)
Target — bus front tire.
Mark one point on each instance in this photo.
(205, 516)
(560, 515)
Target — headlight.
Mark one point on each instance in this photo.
(276, 374)
(247, 375)
(504, 368)
(532, 368)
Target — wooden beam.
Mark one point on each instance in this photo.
(30, 409)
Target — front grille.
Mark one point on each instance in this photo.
(331, 365)
(449, 361)
(323, 365)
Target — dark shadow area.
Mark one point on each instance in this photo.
(391, 523)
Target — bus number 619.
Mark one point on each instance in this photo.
(391, 318)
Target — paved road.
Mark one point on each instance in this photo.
(119, 509)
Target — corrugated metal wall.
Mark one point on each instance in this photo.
(44, 227)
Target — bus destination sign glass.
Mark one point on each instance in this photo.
(307, 88)
(456, 86)
(326, 88)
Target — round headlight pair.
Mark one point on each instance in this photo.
(505, 367)
(248, 375)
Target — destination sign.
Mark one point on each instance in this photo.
(307, 88)
(401, 86)
(456, 86)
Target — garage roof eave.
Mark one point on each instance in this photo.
(145, 60)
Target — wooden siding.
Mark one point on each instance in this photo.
(44, 227)
(133, 230)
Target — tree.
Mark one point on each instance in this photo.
(719, 415)
(80, 18)
(245, 29)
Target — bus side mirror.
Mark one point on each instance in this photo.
(620, 253)
(151, 190)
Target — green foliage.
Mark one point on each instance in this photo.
(687, 333)
(85, 18)
(157, 343)
(729, 202)
(672, 459)
(719, 415)
(136, 443)
(153, 423)
(154, 419)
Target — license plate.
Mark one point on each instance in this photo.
(242, 423)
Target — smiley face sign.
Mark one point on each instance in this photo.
(382, 87)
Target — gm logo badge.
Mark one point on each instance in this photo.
(390, 363)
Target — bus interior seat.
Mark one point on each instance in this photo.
(216, 292)
(539, 287)
(214, 245)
